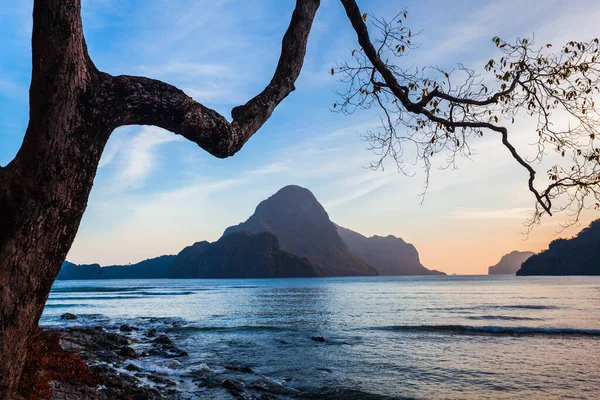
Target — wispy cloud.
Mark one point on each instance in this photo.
(189, 69)
(519, 213)
(348, 197)
(270, 169)
(137, 156)
(214, 93)
(114, 145)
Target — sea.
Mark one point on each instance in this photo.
(428, 337)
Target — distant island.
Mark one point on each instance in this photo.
(510, 263)
(154, 268)
(388, 254)
(577, 256)
(289, 235)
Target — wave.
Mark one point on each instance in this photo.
(62, 305)
(242, 328)
(503, 317)
(527, 307)
(100, 289)
(240, 287)
(498, 330)
(117, 297)
(165, 293)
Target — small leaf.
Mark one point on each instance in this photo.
(332, 71)
(364, 16)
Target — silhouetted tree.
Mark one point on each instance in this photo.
(429, 111)
(74, 108)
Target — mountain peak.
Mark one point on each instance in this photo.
(292, 200)
(303, 227)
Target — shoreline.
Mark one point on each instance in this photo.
(128, 362)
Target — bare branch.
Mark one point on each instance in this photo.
(426, 110)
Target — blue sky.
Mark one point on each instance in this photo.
(156, 193)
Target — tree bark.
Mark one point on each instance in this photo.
(73, 110)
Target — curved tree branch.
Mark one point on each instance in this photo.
(143, 101)
(420, 107)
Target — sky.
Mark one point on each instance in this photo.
(156, 193)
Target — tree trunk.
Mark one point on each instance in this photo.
(73, 110)
(44, 190)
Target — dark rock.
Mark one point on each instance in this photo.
(74, 391)
(120, 381)
(107, 356)
(318, 338)
(151, 333)
(101, 369)
(68, 316)
(128, 352)
(100, 343)
(163, 339)
(123, 386)
(161, 380)
(125, 328)
(244, 369)
(133, 367)
(233, 386)
(99, 348)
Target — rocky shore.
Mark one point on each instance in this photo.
(120, 362)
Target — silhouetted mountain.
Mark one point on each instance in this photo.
(389, 255)
(303, 227)
(153, 268)
(289, 235)
(510, 263)
(241, 255)
(577, 256)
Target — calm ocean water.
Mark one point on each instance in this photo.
(449, 337)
